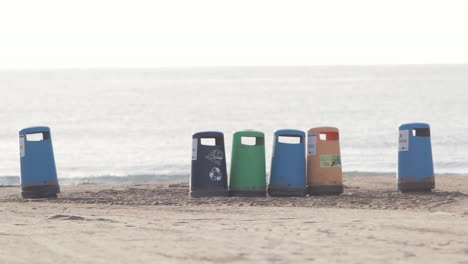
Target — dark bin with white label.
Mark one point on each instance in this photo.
(209, 174)
(38, 172)
(415, 165)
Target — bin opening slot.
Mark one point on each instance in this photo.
(289, 139)
(329, 136)
(249, 141)
(208, 141)
(38, 136)
(421, 132)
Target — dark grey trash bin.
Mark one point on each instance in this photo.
(209, 174)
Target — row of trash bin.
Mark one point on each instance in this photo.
(292, 172)
(288, 175)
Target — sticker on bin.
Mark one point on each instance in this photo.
(22, 146)
(312, 144)
(330, 161)
(403, 140)
(194, 148)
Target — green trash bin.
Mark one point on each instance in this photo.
(248, 173)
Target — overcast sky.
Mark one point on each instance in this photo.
(134, 33)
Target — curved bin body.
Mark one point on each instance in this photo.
(248, 173)
(288, 165)
(38, 171)
(209, 175)
(415, 165)
(324, 173)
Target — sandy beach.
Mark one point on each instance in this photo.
(158, 223)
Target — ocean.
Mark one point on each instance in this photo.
(135, 125)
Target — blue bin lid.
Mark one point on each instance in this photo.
(413, 126)
(32, 130)
(289, 132)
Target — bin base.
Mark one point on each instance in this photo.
(325, 190)
(415, 186)
(200, 194)
(247, 193)
(45, 191)
(286, 191)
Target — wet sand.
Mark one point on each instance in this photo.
(147, 223)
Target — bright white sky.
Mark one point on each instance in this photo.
(135, 33)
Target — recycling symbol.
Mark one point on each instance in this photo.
(215, 174)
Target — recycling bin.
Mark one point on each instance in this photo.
(38, 171)
(288, 164)
(248, 173)
(324, 173)
(209, 174)
(415, 165)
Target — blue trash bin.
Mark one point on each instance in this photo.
(209, 173)
(38, 172)
(288, 165)
(415, 165)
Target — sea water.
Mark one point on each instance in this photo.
(135, 125)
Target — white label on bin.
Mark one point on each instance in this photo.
(403, 144)
(312, 144)
(194, 148)
(22, 146)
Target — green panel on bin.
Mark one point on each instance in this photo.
(248, 172)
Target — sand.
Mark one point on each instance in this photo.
(157, 223)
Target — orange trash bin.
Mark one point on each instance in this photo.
(324, 174)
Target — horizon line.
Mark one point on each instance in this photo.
(224, 66)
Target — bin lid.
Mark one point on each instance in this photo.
(289, 132)
(322, 129)
(208, 134)
(249, 133)
(32, 130)
(413, 125)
